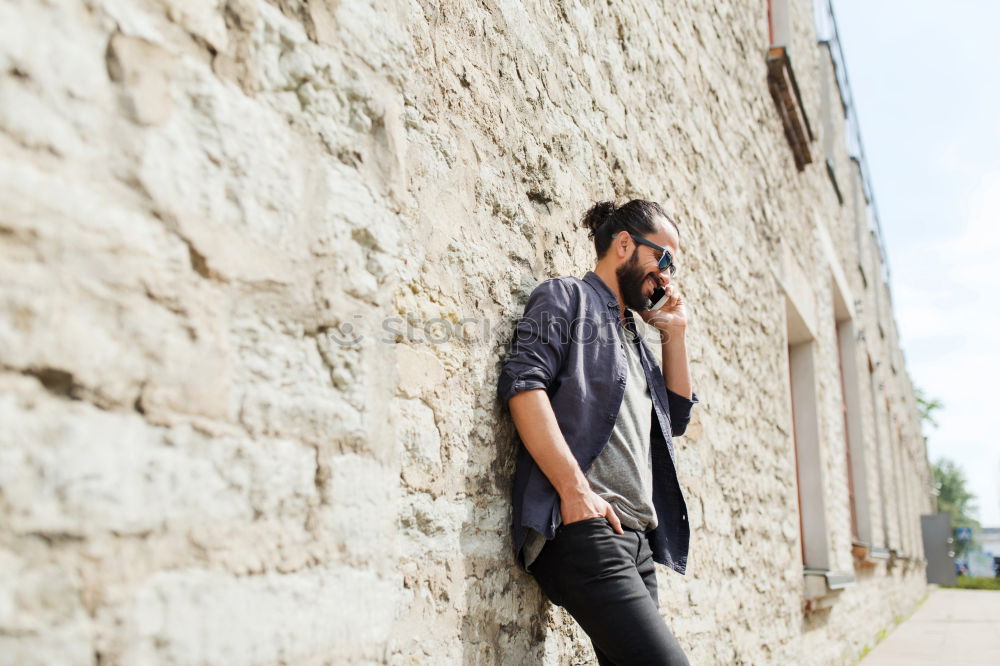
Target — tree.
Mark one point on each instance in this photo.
(954, 498)
(927, 406)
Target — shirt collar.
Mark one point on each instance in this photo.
(595, 281)
(604, 291)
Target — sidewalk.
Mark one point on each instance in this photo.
(954, 627)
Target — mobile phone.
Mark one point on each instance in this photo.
(658, 298)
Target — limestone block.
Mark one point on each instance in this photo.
(42, 603)
(196, 616)
(356, 495)
(56, 88)
(419, 370)
(144, 70)
(152, 337)
(420, 438)
(71, 469)
(202, 19)
(316, 418)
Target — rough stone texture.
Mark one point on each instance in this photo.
(259, 265)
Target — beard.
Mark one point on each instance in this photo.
(630, 282)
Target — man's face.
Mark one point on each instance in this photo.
(639, 275)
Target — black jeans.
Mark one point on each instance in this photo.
(607, 582)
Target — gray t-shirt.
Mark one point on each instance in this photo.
(622, 474)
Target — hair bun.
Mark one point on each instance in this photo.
(598, 214)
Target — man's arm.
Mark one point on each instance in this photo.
(676, 372)
(671, 321)
(677, 378)
(536, 424)
(538, 347)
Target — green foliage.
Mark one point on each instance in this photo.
(953, 495)
(982, 583)
(927, 406)
(954, 498)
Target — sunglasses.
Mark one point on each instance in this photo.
(666, 262)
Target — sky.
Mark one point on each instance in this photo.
(927, 90)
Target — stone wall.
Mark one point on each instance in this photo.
(260, 262)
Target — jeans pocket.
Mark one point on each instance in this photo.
(586, 522)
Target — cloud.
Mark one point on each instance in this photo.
(947, 297)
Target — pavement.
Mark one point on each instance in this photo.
(951, 628)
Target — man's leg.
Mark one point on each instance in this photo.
(594, 574)
(647, 569)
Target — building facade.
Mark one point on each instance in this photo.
(260, 264)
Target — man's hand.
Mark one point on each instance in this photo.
(671, 321)
(539, 430)
(672, 316)
(585, 503)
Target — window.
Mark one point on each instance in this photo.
(854, 451)
(879, 455)
(805, 431)
(831, 120)
(895, 539)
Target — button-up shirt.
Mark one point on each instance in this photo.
(566, 344)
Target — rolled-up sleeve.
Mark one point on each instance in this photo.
(540, 341)
(680, 411)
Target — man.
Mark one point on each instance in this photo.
(596, 497)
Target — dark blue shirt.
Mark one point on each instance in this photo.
(566, 344)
